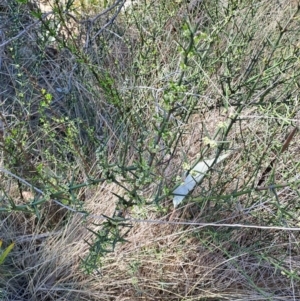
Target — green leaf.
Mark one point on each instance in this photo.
(37, 14)
(6, 252)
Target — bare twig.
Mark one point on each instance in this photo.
(25, 30)
(111, 21)
(271, 165)
(31, 237)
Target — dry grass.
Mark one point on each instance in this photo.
(158, 263)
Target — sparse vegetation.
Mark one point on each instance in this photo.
(104, 106)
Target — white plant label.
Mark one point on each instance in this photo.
(194, 177)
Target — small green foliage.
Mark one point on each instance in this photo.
(113, 231)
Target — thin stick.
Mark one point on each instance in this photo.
(156, 222)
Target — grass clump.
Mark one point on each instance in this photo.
(106, 106)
